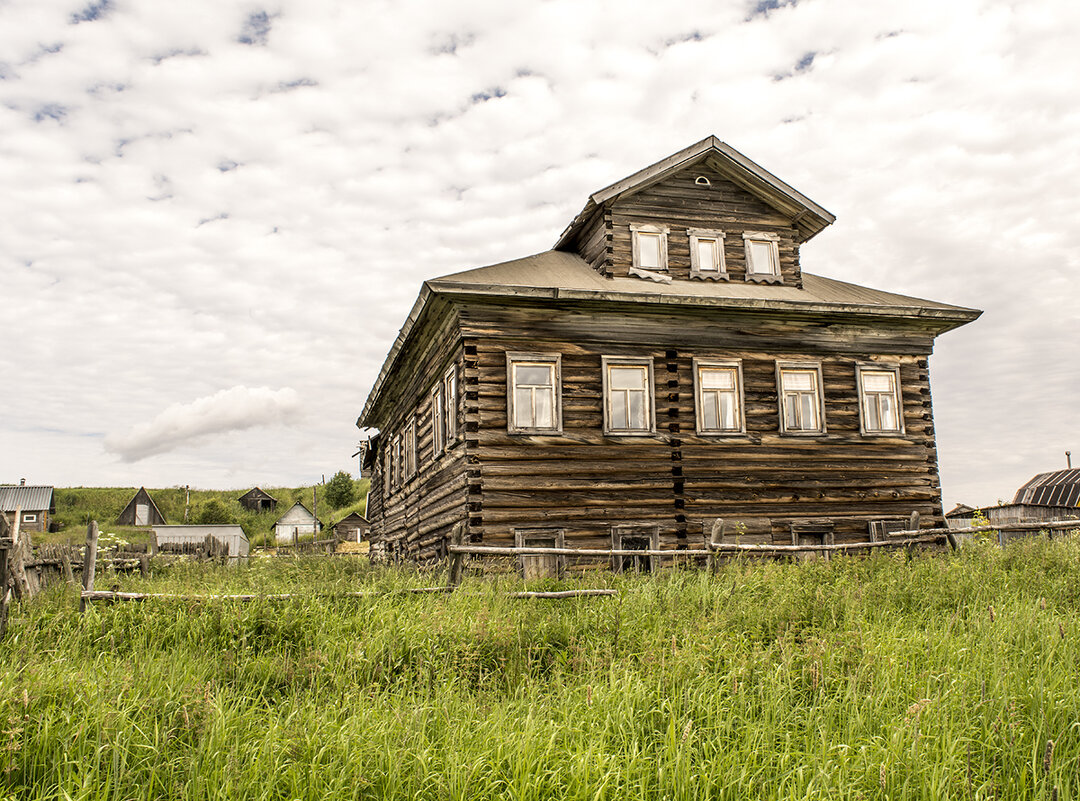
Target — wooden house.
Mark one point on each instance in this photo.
(295, 523)
(666, 364)
(35, 502)
(230, 534)
(141, 511)
(258, 500)
(354, 527)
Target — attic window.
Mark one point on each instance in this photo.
(706, 254)
(649, 245)
(762, 257)
(701, 180)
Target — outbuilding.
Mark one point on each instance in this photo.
(231, 535)
(353, 527)
(295, 523)
(141, 511)
(35, 502)
(258, 500)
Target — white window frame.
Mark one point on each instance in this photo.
(450, 404)
(607, 362)
(809, 367)
(864, 397)
(734, 365)
(636, 230)
(29, 517)
(716, 271)
(551, 360)
(396, 480)
(774, 258)
(388, 467)
(438, 427)
(410, 450)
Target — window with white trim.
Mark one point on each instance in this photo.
(649, 247)
(438, 426)
(628, 389)
(801, 403)
(396, 480)
(450, 395)
(706, 253)
(410, 449)
(29, 517)
(762, 256)
(388, 467)
(879, 399)
(533, 397)
(718, 397)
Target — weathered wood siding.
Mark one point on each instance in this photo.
(679, 203)
(585, 482)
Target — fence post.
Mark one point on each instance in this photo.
(20, 553)
(716, 536)
(89, 562)
(5, 593)
(457, 560)
(65, 562)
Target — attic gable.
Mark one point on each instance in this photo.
(803, 214)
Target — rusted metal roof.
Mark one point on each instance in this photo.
(29, 499)
(1057, 488)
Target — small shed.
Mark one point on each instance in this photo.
(1056, 488)
(353, 527)
(295, 523)
(36, 503)
(231, 535)
(141, 511)
(258, 500)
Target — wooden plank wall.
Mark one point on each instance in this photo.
(680, 204)
(585, 482)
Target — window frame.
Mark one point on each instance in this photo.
(558, 534)
(775, 277)
(450, 405)
(636, 229)
(29, 517)
(639, 530)
(607, 362)
(725, 364)
(438, 427)
(814, 367)
(720, 272)
(409, 451)
(554, 360)
(388, 467)
(873, 367)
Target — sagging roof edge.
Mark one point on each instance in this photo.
(956, 316)
(658, 171)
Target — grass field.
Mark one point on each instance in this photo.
(949, 676)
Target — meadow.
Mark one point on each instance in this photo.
(882, 677)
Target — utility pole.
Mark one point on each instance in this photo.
(187, 500)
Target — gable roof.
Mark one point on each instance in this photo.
(306, 517)
(560, 275)
(807, 216)
(142, 493)
(29, 499)
(255, 492)
(1056, 488)
(351, 517)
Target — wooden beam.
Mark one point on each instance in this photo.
(89, 563)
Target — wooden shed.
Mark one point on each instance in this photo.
(141, 511)
(667, 363)
(35, 502)
(1054, 495)
(258, 500)
(353, 527)
(231, 535)
(295, 523)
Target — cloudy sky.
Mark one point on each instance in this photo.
(215, 215)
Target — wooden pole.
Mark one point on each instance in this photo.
(5, 593)
(20, 554)
(457, 558)
(65, 562)
(716, 536)
(153, 543)
(89, 563)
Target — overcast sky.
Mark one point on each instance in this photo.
(215, 215)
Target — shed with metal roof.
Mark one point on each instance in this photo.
(35, 502)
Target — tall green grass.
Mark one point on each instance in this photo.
(860, 678)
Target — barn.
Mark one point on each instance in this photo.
(353, 527)
(141, 511)
(295, 523)
(258, 500)
(667, 363)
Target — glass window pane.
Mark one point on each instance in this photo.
(637, 410)
(718, 378)
(710, 413)
(535, 374)
(797, 379)
(877, 382)
(707, 260)
(808, 408)
(627, 377)
(760, 258)
(545, 418)
(618, 411)
(888, 413)
(523, 408)
(648, 250)
(728, 421)
(871, 411)
(791, 412)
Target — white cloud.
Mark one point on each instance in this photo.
(186, 424)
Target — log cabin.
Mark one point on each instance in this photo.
(666, 364)
(33, 503)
